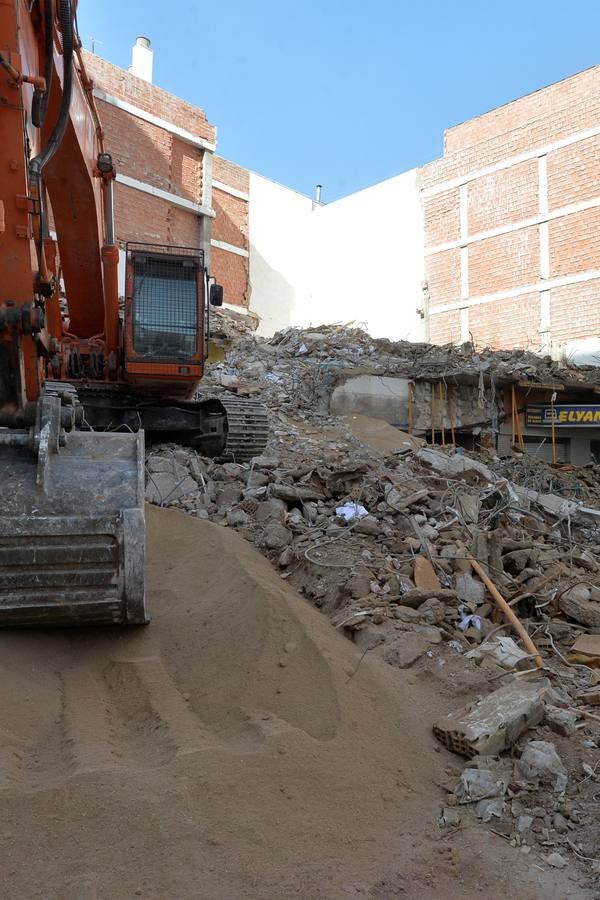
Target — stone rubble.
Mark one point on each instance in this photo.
(535, 529)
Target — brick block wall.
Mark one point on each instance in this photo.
(561, 96)
(231, 222)
(575, 311)
(504, 197)
(442, 218)
(445, 328)
(231, 174)
(158, 157)
(574, 173)
(163, 223)
(231, 227)
(513, 322)
(150, 154)
(496, 145)
(231, 271)
(442, 272)
(575, 242)
(119, 83)
(504, 262)
(557, 185)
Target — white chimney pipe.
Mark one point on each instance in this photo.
(141, 59)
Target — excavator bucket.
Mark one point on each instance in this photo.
(72, 529)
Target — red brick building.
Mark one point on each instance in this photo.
(512, 222)
(510, 213)
(171, 187)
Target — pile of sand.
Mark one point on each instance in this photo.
(237, 747)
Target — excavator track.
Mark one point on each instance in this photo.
(247, 428)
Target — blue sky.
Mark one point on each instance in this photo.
(345, 93)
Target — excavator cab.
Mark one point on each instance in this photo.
(165, 316)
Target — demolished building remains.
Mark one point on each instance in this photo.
(395, 497)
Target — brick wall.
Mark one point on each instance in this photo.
(119, 83)
(152, 155)
(160, 158)
(512, 221)
(231, 227)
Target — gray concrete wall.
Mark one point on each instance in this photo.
(387, 397)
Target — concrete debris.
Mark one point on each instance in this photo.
(469, 589)
(453, 465)
(450, 817)
(576, 607)
(556, 860)
(562, 721)
(540, 763)
(503, 650)
(488, 808)
(478, 784)
(494, 723)
(376, 529)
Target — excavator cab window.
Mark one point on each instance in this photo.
(165, 305)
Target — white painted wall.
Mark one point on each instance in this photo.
(369, 259)
(279, 230)
(358, 259)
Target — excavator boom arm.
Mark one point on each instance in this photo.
(71, 501)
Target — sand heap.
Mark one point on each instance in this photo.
(235, 748)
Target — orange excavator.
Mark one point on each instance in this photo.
(82, 376)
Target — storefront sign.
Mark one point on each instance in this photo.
(566, 415)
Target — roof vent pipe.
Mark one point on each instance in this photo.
(318, 193)
(141, 58)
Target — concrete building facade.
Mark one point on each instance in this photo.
(496, 242)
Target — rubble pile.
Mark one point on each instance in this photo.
(297, 369)
(381, 539)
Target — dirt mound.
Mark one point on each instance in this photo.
(238, 747)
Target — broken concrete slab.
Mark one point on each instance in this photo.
(276, 536)
(562, 721)
(503, 650)
(561, 507)
(494, 723)
(456, 464)
(478, 784)
(469, 589)
(380, 436)
(586, 650)
(586, 612)
(540, 763)
(271, 509)
(157, 462)
(469, 506)
(432, 612)
(163, 488)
